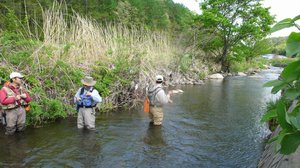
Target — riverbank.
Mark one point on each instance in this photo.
(271, 159)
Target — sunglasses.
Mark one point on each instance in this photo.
(86, 86)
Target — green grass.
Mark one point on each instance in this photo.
(281, 62)
(244, 66)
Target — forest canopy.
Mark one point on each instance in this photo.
(151, 14)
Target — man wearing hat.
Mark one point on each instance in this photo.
(158, 98)
(13, 99)
(86, 99)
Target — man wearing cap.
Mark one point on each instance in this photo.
(86, 99)
(13, 99)
(158, 98)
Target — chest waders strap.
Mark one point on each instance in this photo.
(154, 92)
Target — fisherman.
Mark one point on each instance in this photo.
(86, 98)
(158, 98)
(2, 114)
(14, 98)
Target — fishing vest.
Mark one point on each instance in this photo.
(86, 101)
(11, 93)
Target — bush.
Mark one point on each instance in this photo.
(282, 62)
(45, 111)
(271, 116)
(202, 75)
(244, 66)
(185, 63)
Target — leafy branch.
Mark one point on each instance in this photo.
(288, 139)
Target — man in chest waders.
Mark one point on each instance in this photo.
(158, 98)
(14, 98)
(86, 99)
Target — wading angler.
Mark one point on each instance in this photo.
(14, 98)
(86, 99)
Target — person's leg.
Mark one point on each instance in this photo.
(89, 118)
(21, 118)
(80, 120)
(157, 116)
(11, 120)
(151, 115)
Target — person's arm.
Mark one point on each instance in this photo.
(6, 100)
(170, 93)
(162, 97)
(77, 96)
(96, 97)
(26, 97)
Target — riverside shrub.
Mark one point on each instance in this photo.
(288, 139)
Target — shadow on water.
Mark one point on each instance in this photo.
(154, 136)
(13, 150)
(56, 145)
(212, 125)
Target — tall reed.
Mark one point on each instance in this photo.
(90, 42)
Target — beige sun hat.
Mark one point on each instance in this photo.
(89, 81)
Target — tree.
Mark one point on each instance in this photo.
(233, 23)
(152, 14)
(128, 14)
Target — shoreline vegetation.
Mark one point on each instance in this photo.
(121, 59)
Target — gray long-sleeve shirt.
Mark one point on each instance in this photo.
(161, 97)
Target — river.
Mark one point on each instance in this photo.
(212, 125)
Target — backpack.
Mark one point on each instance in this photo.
(146, 105)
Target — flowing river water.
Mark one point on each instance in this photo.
(212, 125)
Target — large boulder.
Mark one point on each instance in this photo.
(216, 76)
(241, 74)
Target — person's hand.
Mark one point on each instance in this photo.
(170, 92)
(23, 96)
(89, 94)
(78, 99)
(18, 97)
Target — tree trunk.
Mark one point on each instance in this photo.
(22, 10)
(224, 62)
(86, 6)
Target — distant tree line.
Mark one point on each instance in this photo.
(278, 45)
(150, 14)
(227, 31)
